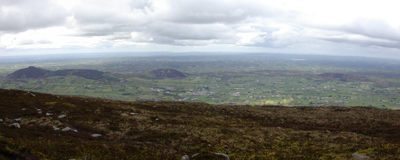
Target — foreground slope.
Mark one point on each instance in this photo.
(43, 126)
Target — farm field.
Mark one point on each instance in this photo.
(243, 79)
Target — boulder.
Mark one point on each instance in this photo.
(62, 116)
(56, 128)
(185, 157)
(66, 129)
(15, 125)
(96, 135)
(359, 156)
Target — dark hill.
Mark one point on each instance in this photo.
(341, 77)
(333, 75)
(43, 126)
(30, 72)
(86, 73)
(167, 73)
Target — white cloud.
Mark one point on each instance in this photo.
(19, 15)
(278, 25)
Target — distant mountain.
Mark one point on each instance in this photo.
(86, 73)
(30, 72)
(167, 73)
(34, 72)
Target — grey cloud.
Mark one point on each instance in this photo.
(43, 41)
(212, 11)
(374, 28)
(31, 41)
(364, 42)
(178, 22)
(19, 15)
(26, 42)
(376, 32)
(189, 31)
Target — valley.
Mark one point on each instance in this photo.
(290, 80)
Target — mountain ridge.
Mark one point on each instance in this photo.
(35, 72)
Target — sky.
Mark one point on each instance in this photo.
(340, 27)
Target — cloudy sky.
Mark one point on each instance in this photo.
(340, 27)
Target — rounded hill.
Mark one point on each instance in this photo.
(167, 73)
(30, 72)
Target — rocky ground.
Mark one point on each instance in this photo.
(44, 126)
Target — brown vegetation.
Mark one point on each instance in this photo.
(169, 130)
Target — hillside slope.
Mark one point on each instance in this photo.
(167, 73)
(43, 126)
(34, 72)
(30, 72)
(86, 73)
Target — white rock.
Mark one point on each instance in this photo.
(62, 116)
(16, 125)
(134, 113)
(359, 156)
(23, 109)
(66, 129)
(17, 119)
(96, 135)
(55, 128)
(222, 155)
(49, 114)
(185, 157)
(194, 155)
(1, 120)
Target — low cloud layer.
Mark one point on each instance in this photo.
(285, 25)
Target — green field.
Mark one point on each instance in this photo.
(254, 79)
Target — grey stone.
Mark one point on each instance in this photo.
(56, 128)
(359, 156)
(87, 157)
(185, 157)
(66, 129)
(96, 135)
(194, 155)
(222, 155)
(62, 116)
(16, 125)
